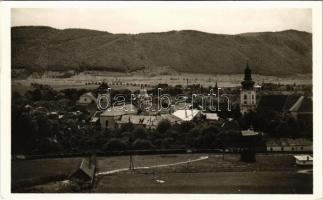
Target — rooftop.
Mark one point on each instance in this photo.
(140, 119)
(171, 118)
(212, 116)
(303, 157)
(186, 115)
(90, 95)
(289, 142)
(120, 110)
(87, 168)
(249, 132)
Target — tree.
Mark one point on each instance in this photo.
(140, 133)
(128, 127)
(163, 126)
(141, 144)
(114, 144)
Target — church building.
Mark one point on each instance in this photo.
(247, 93)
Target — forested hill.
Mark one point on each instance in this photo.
(269, 53)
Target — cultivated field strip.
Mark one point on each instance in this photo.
(154, 166)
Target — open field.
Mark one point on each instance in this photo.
(29, 172)
(211, 175)
(264, 182)
(133, 81)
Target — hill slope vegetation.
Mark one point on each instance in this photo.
(38, 48)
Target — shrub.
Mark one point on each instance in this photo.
(141, 144)
(114, 144)
(163, 126)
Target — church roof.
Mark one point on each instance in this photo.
(247, 83)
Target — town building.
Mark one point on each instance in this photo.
(303, 160)
(143, 100)
(289, 144)
(212, 118)
(247, 93)
(249, 132)
(149, 122)
(109, 118)
(186, 115)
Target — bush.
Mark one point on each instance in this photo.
(141, 144)
(140, 133)
(163, 126)
(114, 144)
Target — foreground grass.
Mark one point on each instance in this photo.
(228, 172)
(219, 182)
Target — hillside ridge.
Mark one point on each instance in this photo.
(43, 48)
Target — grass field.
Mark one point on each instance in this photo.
(212, 175)
(265, 182)
(128, 81)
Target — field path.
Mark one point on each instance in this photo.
(153, 166)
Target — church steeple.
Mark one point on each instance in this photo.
(247, 83)
(247, 93)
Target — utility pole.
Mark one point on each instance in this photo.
(131, 165)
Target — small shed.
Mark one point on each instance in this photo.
(249, 143)
(211, 117)
(85, 173)
(303, 160)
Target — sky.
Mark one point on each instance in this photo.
(150, 18)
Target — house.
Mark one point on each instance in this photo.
(84, 175)
(289, 144)
(249, 132)
(109, 118)
(303, 160)
(86, 99)
(171, 118)
(95, 119)
(211, 118)
(187, 115)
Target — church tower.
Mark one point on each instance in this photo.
(247, 93)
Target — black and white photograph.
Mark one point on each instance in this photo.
(179, 98)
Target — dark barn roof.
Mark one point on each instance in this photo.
(273, 102)
(280, 103)
(307, 106)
